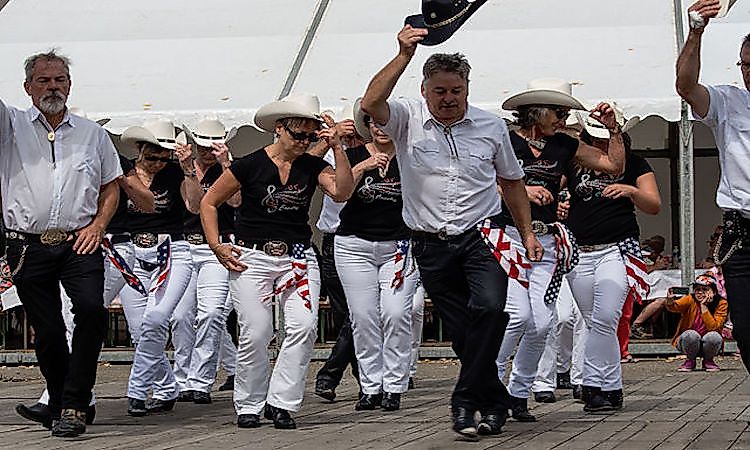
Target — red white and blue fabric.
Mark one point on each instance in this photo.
(298, 277)
(6, 276)
(131, 279)
(635, 268)
(511, 260)
(566, 258)
(402, 249)
(163, 263)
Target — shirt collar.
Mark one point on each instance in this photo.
(427, 116)
(37, 115)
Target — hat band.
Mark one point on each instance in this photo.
(167, 140)
(208, 138)
(450, 20)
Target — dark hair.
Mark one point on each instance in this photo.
(446, 62)
(297, 122)
(714, 303)
(745, 40)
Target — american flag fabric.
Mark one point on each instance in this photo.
(510, 259)
(164, 261)
(566, 255)
(131, 279)
(298, 278)
(402, 248)
(635, 268)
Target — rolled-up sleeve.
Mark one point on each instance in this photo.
(506, 163)
(716, 107)
(111, 168)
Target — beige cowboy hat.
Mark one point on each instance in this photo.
(304, 106)
(544, 91)
(597, 130)
(359, 120)
(206, 133)
(156, 132)
(247, 139)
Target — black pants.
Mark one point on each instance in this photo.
(342, 354)
(468, 288)
(70, 375)
(736, 272)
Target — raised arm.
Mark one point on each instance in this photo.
(689, 61)
(613, 161)
(375, 99)
(137, 192)
(336, 183)
(190, 188)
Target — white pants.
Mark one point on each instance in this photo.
(417, 322)
(565, 342)
(148, 322)
(252, 388)
(227, 351)
(600, 286)
(380, 315)
(530, 318)
(113, 284)
(198, 321)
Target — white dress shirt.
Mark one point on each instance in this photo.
(728, 118)
(40, 190)
(449, 174)
(328, 222)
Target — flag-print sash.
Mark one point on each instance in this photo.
(566, 258)
(501, 246)
(635, 268)
(131, 279)
(402, 249)
(297, 278)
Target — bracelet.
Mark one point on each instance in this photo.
(215, 246)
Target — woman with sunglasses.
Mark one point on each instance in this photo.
(273, 257)
(163, 262)
(377, 272)
(610, 270)
(544, 152)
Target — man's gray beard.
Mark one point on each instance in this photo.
(52, 105)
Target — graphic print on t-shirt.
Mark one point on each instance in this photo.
(591, 184)
(389, 189)
(541, 172)
(286, 198)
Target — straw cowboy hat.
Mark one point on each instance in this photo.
(544, 91)
(206, 133)
(305, 106)
(359, 120)
(442, 18)
(247, 139)
(156, 132)
(597, 130)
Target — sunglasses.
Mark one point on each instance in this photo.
(164, 159)
(743, 65)
(561, 113)
(302, 136)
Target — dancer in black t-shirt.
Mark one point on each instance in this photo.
(272, 256)
(610, 270)
(544, 153)
(163, 263)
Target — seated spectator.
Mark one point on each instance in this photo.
(652, 250)
(703, 313)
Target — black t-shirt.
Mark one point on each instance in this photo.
(374, 211)
(119, 222)
(170, 207)
(271, 210)
(225, 212)
(594, 219)
(546, 170)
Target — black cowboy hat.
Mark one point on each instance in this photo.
(442, 18)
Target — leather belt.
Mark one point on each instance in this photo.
(200, 238)
(442, 235)
(119, 238)
(147, 239)
(51, 237)
(269, 247)
(595, 247)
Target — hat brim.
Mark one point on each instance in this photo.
(541, 97)
(439, 35)
(203, 142)
(359, 120)
(725, 6)
(267, 115)
(247, 139)
(599, 131)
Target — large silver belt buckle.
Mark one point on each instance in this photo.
(275, 248)
(53, 236)
(539, 227)
(145, 240)
(195, 239)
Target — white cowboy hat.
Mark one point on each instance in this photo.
(81, 113)
(726, 5)
(304, 106)
(359, 120)
(207, 132)
(597, 130)
(544, 91)
(156, 132)
(247, 139)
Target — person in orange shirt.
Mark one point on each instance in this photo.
(704, 313)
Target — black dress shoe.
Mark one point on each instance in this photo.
(248, 421)
(155, 405)
(228, 385)
(185, 396)
(577, 392)
(594, 400)
(563, 380)
(368, 402)
(391, 402)
(324, 390)
(136, 408)
(90, 414)
(38, 412)
(520, 410)
(201, 398)
(464, 424)
(72, 423)
(545, 397)
(614, 398)
(282, 420)
(491, 423)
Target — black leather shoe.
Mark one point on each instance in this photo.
(72, 423)
(577, 392)
(38, 412)
(136, 408)
(155, 405)
(368, 402)
(563, 380)
(412, 385)
(185, 396)
(201, 398)
(520, 410)
(228, 385)
(594, 400)
(282, 420)
(545, 397)
(248, 421)
(614, 398)
(491, 423)
(391, 402)
(90, 414)
(324, 390)
(464, 424)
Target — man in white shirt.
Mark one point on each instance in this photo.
(452, 156)
(726, 110)
(57, 180)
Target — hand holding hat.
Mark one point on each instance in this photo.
(604, 113)
(701, 11)
(440, 19)
(409, 38)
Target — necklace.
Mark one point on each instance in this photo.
(536, 143)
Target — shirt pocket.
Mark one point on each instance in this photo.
(426, 153)
(480, 160)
